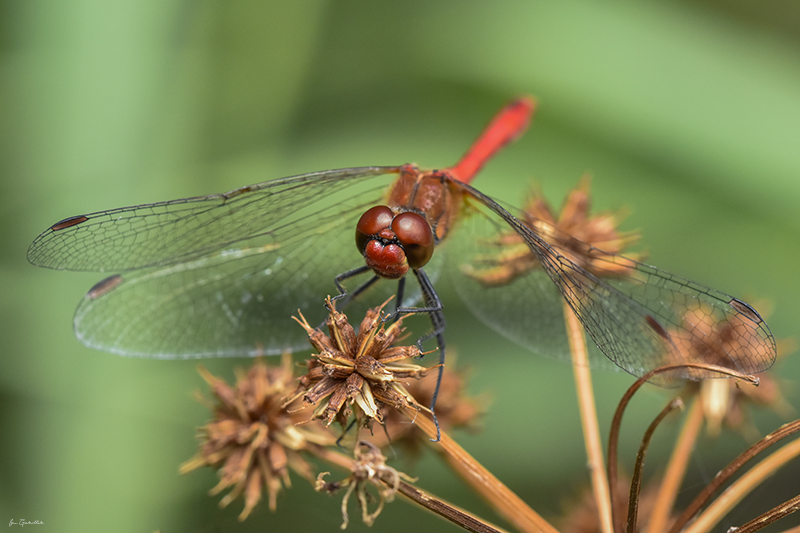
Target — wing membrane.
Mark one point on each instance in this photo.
(219, 275)
(235, 302)
(528, 310)
(642, 320)
(165, 233)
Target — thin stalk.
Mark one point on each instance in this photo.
(589, 424)
(676, 469)
(743, 486)
(776, 436)
(447, 511)
(776, 513)
(636, 481)
(500, 497)
(616, 423)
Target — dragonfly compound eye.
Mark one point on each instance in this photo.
(416, 237)
(382, 250)
(372, 222)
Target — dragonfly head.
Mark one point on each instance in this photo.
(392, 243)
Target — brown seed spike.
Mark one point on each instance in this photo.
(105, 286)
(68, 222)
(745, 309)
(658, 328)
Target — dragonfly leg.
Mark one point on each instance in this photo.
(344, 432)
(345, 296)
(349, 296)
(433, 307)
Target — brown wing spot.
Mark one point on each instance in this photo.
(105, 286)
(745, 309)
(68, 222)
(658, 328)
(237, 192)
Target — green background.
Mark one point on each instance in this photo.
(686, 113)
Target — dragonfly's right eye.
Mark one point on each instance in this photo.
(415, 234)
(371, 223)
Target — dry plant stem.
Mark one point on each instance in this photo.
(445, 510)
(676, 469)
(588, 411)
(776, 436)
(743, 486)
(774, 514)
(636, 481)
(500, 497)
(613, 438)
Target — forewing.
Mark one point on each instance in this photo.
(166, 233)
(233, 291)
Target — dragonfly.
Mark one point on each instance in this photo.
(220, 275)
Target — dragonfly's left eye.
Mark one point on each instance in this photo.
(372, 222)
(415, 234)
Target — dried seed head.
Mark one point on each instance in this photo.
(255, 438)
(369, 469)
(357, 373)
(454, 409)
(727, 401)
(591, 242)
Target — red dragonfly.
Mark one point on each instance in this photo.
(220, 275)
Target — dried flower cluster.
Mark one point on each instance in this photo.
(264, 424)
(255, 438)
(369, 469)
(358, 373)
(591, 242)
(454, 409)
(725, 401)
(580, 515)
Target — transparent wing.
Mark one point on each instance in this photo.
(529, 310)
(219, 275)
(641, 320)
(237, 302)
(166, 233)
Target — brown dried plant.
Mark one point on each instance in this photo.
(271, 422)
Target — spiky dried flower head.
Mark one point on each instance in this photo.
(454, 409)
(358, 372)
(254, 438)
(369, 469)
(589, 241)
(727, 401)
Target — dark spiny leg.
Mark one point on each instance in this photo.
(347, 275)
(398, 304)
(349, 296)
(344, 432)
(433, 306)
